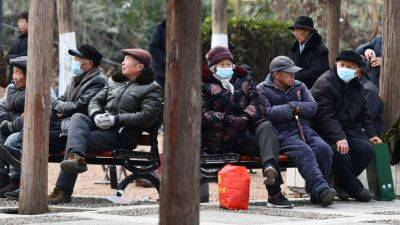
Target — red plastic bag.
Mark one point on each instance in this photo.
(234, 187)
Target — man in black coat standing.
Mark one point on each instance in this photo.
(20, 46)
(157, 51)
(343, 120)
(308, 51)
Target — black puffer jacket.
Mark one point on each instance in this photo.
(136, 104)
(342, 109)
(78, 95)
(12, 107)
(314, 60)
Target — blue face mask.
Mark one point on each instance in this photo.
(224, 73)
(76, 68)
(346, 74)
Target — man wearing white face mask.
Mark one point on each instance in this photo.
(344, 122)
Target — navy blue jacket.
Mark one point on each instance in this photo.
(277, 107)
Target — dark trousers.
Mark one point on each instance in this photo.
(83, 135)
(265, 145)
(346, 167)
(313, 158)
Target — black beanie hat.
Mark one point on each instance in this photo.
(350, 55)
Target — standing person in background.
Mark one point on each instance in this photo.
(372, 51)
(20, 45)
(308, 51)
(157, 49)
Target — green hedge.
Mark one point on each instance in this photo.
(253, 42)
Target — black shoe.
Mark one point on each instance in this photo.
(6, 156)
(4, 180)
(9, 188)
(279, 201)
(363, 196)
(74, 164)
(341, 194)
(14, 195)
(324, 198)
(270, 175)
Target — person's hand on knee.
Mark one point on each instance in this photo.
(376, 140)
(101, 121)
(342, 146)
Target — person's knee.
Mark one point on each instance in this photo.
(79, 117)
(368, 151)
(323, 150)
(266, 127)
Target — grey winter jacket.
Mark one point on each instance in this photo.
(78, 95)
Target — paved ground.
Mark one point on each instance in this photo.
(346, 213)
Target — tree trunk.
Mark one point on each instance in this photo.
(33, 196)
(1, 22)
(179, 200)
(333, 33)
(237, 7)
(219, 23)
(390, 80)
(67, 40)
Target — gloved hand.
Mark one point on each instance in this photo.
(108, 120)
(104, 121)
(235, 124)
(5, 128)
(99, 120)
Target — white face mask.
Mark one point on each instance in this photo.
(346, 74)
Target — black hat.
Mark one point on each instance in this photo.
(303, 22)
(350, 55)
(87, 52)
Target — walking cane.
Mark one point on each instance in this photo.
(300, 128)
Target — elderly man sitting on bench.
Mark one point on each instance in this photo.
(288, 101)
(126, 105)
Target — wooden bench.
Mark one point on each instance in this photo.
(141, 164)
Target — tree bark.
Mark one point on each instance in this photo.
(390, 81)
(219, 23)
(179, 200)
(333, 33)
(67, 40)
(33, 196)
(1, 22)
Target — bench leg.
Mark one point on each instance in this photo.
(204, 192)
(151, 177)
(113, 176)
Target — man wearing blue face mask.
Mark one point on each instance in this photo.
(233, 119)
(343, 120)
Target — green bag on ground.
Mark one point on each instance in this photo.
(379, 173)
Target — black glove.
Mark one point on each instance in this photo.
(5, 128)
